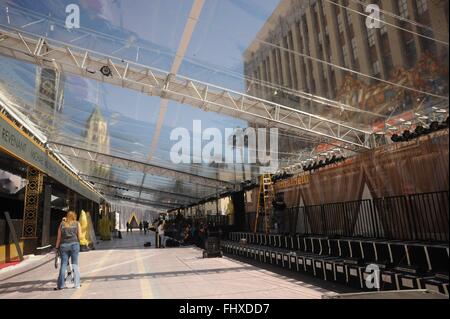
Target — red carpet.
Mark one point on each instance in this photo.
(10, 263)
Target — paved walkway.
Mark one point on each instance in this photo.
(125, 269)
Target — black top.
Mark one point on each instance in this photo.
(69, 234)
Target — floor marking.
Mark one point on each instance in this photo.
(144, 282)
(85, 285)
(119, 264)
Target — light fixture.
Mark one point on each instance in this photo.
(106, 71)
(395, 138)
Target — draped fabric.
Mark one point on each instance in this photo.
(419, 166)
(126, 212)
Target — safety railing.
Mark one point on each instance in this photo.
(423, 217)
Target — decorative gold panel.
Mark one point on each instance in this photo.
(33, 192)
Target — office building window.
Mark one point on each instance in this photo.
(371, 37)
(403, 8)
(355, 49)
(340, 24)
(388, 64)
(349, 17)
(346, 57)
(376, 68)
(422, 6)
(383, 29)
(411, 53)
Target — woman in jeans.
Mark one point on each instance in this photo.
(68, 243)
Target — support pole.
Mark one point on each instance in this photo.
(45, 239)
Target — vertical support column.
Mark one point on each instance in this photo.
(298, 64)
(31, 209)
(396, 42)
(313, 45)
(45, 239)
(272, 62)
(414, 17)
(336, 47)
(439, 23)
(360, 28)
(72, 200)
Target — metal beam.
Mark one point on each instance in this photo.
(138, 201)
(104, 181)
(67, 58)
(146, 168)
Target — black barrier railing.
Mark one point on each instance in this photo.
(422, 217)
(415, 217)
(217, 220)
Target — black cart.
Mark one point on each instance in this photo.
(212, 244)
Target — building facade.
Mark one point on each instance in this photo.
(97, 139)
(307, 45)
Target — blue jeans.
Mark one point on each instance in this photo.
(71, 250)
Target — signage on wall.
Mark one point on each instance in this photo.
(292, 182)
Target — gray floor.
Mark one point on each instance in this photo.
(125, 269)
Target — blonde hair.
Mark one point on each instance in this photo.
(71, 217)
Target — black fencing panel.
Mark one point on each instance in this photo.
(315, 219)
(422, 217)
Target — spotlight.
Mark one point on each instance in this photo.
(106, 71)
(419, 130)
(395, 138)
(434, 126)
(407, 135)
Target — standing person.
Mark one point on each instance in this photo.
(201, 236)
(128, 226)
(140, 227)
(187, 234)
(68, 243)
(161, 234)
(145, 227)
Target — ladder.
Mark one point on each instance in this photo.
(264, 205)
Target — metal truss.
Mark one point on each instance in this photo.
(68, 58)
(146, 168)
(145, 202)
(183, 198)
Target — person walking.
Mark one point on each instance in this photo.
(145, 227)
(68, 244)
(128, 226)
(140, 227)
(161, 234)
